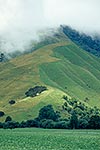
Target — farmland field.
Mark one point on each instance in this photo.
(45, 139)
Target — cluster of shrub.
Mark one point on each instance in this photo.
(78, 117)
(2, 57)
(86, 42)
(32, 92)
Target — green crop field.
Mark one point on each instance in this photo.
(45, 139)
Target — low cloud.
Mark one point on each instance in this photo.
(22, 21)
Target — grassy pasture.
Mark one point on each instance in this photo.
(28, 108)
(45, 139)
(77, 70)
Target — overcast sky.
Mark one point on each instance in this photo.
(20, 20)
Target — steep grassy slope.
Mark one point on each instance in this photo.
(23, 72)
(18, 75)
(77, 73)
(63, 67)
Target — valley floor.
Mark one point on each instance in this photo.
(47, 139)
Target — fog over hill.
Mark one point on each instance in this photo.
(23, 21)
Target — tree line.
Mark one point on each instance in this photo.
(78, 116)
(86, 42)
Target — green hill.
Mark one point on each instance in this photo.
(63, 67)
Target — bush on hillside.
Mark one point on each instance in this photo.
(2, 57)
(12, 102)
(2, 113)
(32, 92)
(8, 118)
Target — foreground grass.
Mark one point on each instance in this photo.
(44, 139)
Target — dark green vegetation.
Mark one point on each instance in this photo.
(2, 113)
(32, 92)
(2, 57)
(12, 102)
(8, 119)
(40, 139)
(88, 43)
(61, 66)
(78, 116)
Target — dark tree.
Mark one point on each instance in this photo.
(83, 124)
(8, 118)
(1, 125)
(12, 102)
(32, 123)
(94, 122)
(10, 125)
(62, 125)
(2, 113)
(65, 97)
(47, 123)
(47, 112)
(32, 92)
(74, 121)
(23, 124)
(86, 42)
(2, 57)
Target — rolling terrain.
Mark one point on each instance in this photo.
(62, 66)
